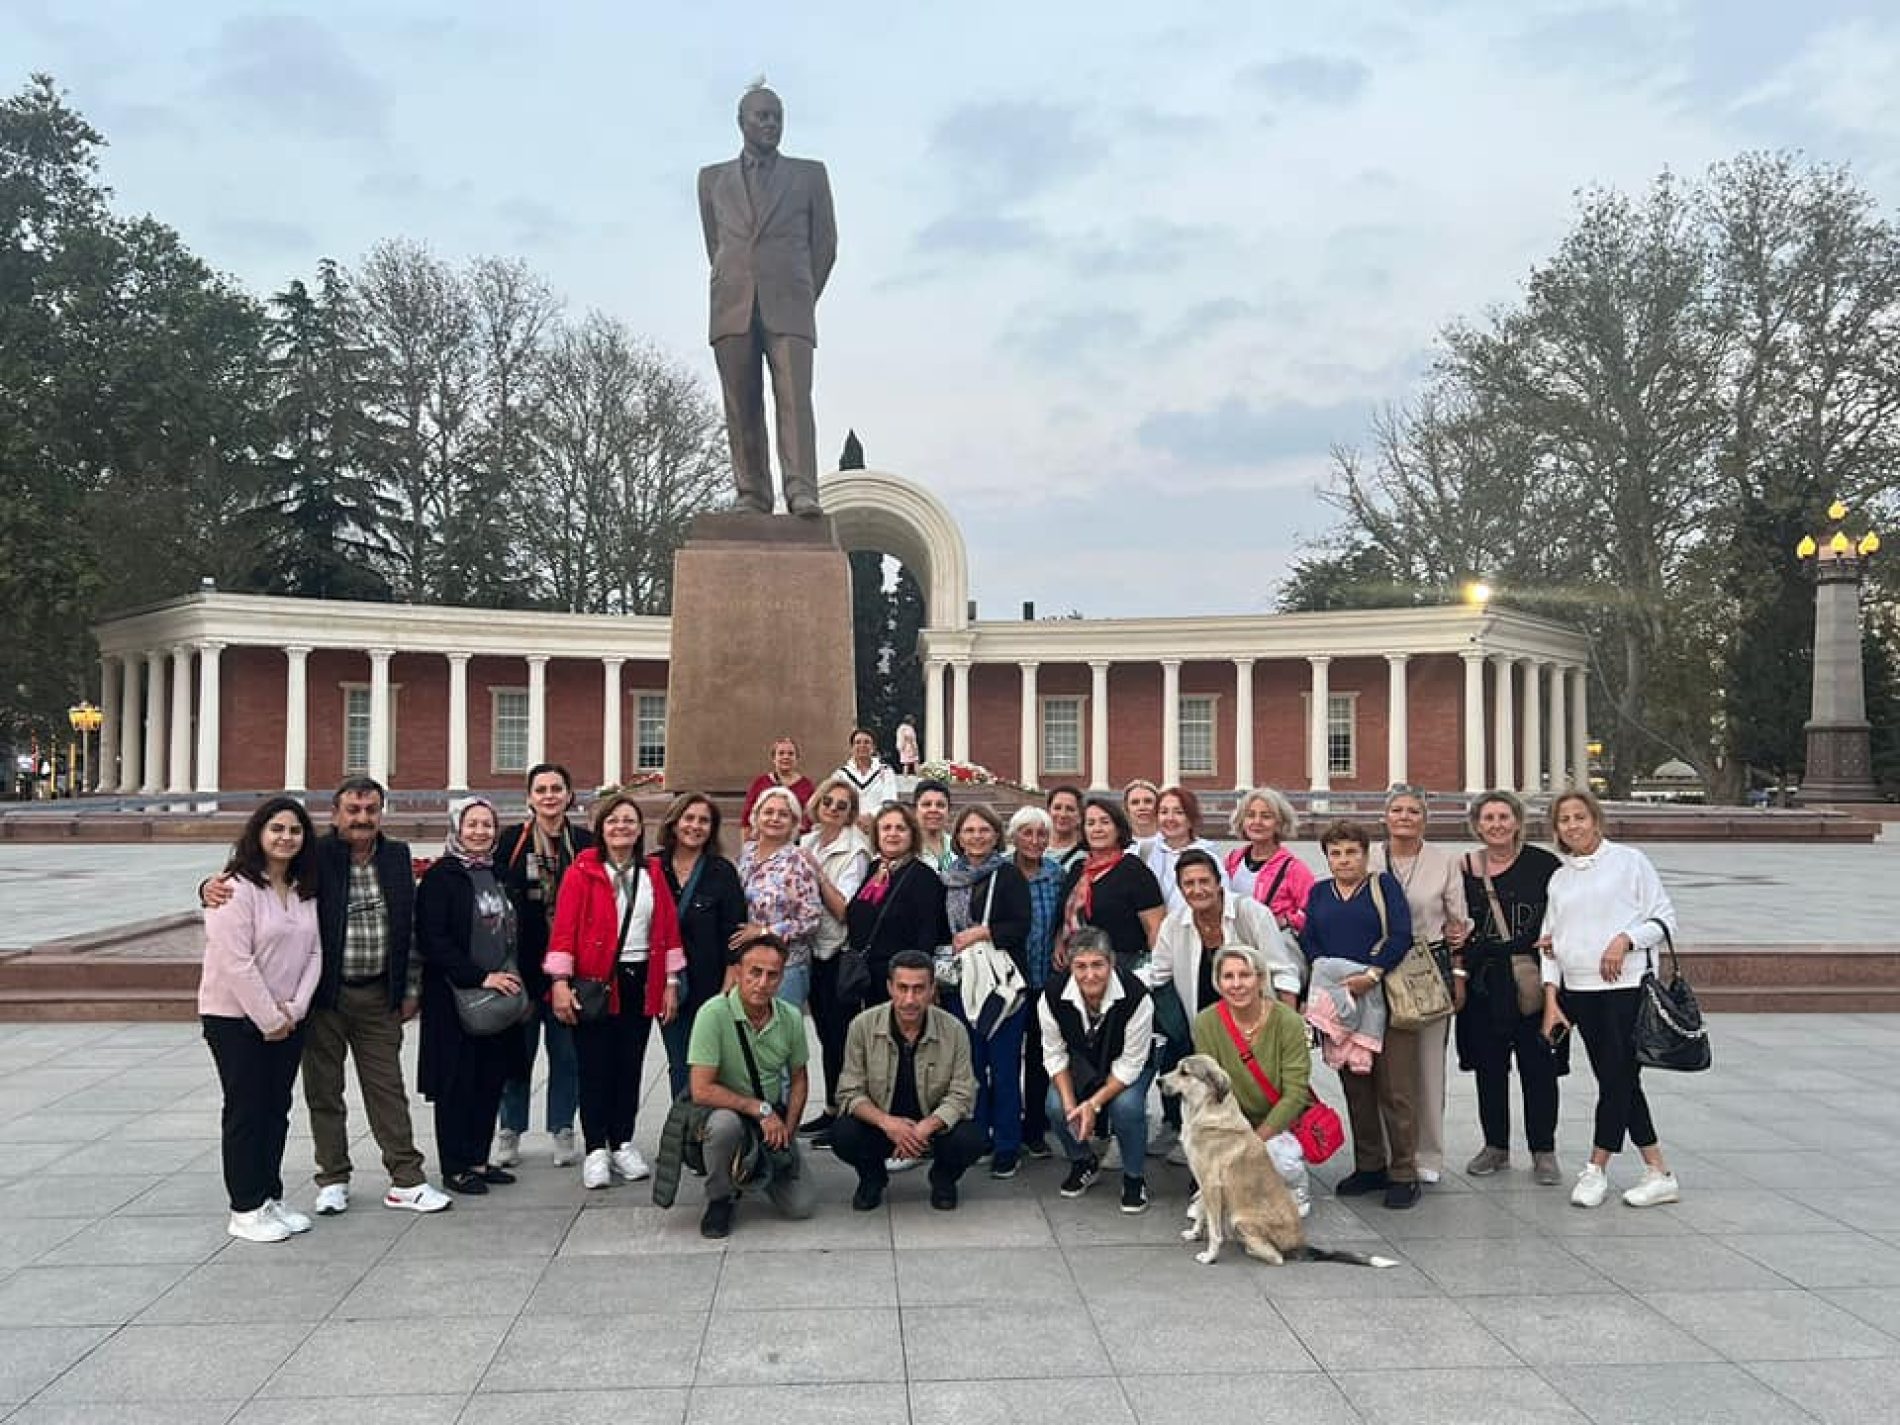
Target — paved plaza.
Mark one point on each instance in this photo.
(1771, 1293)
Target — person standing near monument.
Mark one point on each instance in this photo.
(771, 238)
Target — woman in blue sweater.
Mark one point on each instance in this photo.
(1350, 946)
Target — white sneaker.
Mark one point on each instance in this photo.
(1654, 1190)
(507, 1150)
(288, 1215)
(1303, 1196)
(260, 1224)
(1592, 1187)
(900, 1165)
(421, 1198)
(566, 1152)
(333, 1198)
(1429, 1176)
(598, 1170)
(629, 1164)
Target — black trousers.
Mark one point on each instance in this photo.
(865, 1148)
(831, 1017)
(1607, 1021)
(1488, 1047)
(257, 1075)
(1035, 1082)
(612, 1054)
(465, 1114)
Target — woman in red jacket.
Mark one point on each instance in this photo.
(614, 963)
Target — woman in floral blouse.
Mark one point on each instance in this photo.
(781, 889)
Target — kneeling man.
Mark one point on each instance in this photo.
(907, 1088)
(744, 1044)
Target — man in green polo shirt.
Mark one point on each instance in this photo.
(750, 1016)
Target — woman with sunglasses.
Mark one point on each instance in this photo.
(840, 857)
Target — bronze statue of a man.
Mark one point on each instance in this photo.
(772, 238)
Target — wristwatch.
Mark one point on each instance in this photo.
(765, 1110)
(1374, 973)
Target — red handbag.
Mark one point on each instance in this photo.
(1318, 1131)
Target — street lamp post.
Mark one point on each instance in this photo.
(85, 720)
(1840, 755)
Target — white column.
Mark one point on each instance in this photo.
(379, 713)
(1170, 721)
(1474, 719)
(1398, 732)
(106, 774)
(1559, 738)
(1319, 777)
(537, 708)
(179, 779)
(1580, 725)
(209, 722)
(296, 717)
(1533, 769)
(610, 721)
(960, 709)
(933, 710)
(1504, 733)
(153, 779)
(1243, 723)
(1030, 761)
(131, 724)
(458, 721)
(1098, 722)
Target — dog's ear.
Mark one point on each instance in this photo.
(1215, 1077)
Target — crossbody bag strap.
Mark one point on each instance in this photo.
(1278, 876)
(1378, 904)
(745, 1048)
(1491, 898)
(1246, 1055)
(626, 917)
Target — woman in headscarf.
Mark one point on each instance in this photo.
(616, 944)
(465, 935)
(987, 898)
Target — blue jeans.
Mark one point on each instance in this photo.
(998, 1062)
(795, 988)
(1127, 1119)
(564, 1075)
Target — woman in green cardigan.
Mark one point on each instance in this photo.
(1275, 1035)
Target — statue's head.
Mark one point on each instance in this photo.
(761, 119)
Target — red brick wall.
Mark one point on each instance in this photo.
(251, 718)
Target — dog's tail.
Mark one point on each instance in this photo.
(1350, 1259)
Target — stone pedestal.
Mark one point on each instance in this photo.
(762, 648)
(1840, 755)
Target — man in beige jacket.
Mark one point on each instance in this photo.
(907, 1089)
(771, 238)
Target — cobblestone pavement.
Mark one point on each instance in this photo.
(1771, 1293)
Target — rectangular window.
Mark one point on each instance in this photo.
(1341, 752)
(356, 730)
(1197, 736)
(1062, 736)
(509, 735)
(649, 731)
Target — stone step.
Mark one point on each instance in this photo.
(90, 973)
(55, 1006)
(1771, 966)
(1799, 999)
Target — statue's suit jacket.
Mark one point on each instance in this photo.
(779, 256)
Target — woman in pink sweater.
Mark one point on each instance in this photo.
(260, 970)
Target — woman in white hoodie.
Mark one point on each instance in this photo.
(1607, 915)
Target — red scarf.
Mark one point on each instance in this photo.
(663, 935)
(1082, 898)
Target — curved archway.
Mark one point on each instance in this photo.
(874, 509)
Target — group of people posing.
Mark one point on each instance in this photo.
(981, 991)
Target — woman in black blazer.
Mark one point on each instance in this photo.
(711, 904)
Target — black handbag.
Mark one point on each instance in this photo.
(1670, 1033)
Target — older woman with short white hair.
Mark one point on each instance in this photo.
(1028, 835)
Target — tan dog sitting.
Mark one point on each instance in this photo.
(1240, 1193)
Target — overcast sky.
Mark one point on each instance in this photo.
(1112, 277)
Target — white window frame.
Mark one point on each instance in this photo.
(1051, 769)
(1212, 769)
(495, 763)
(389, 760)
(641, 761)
